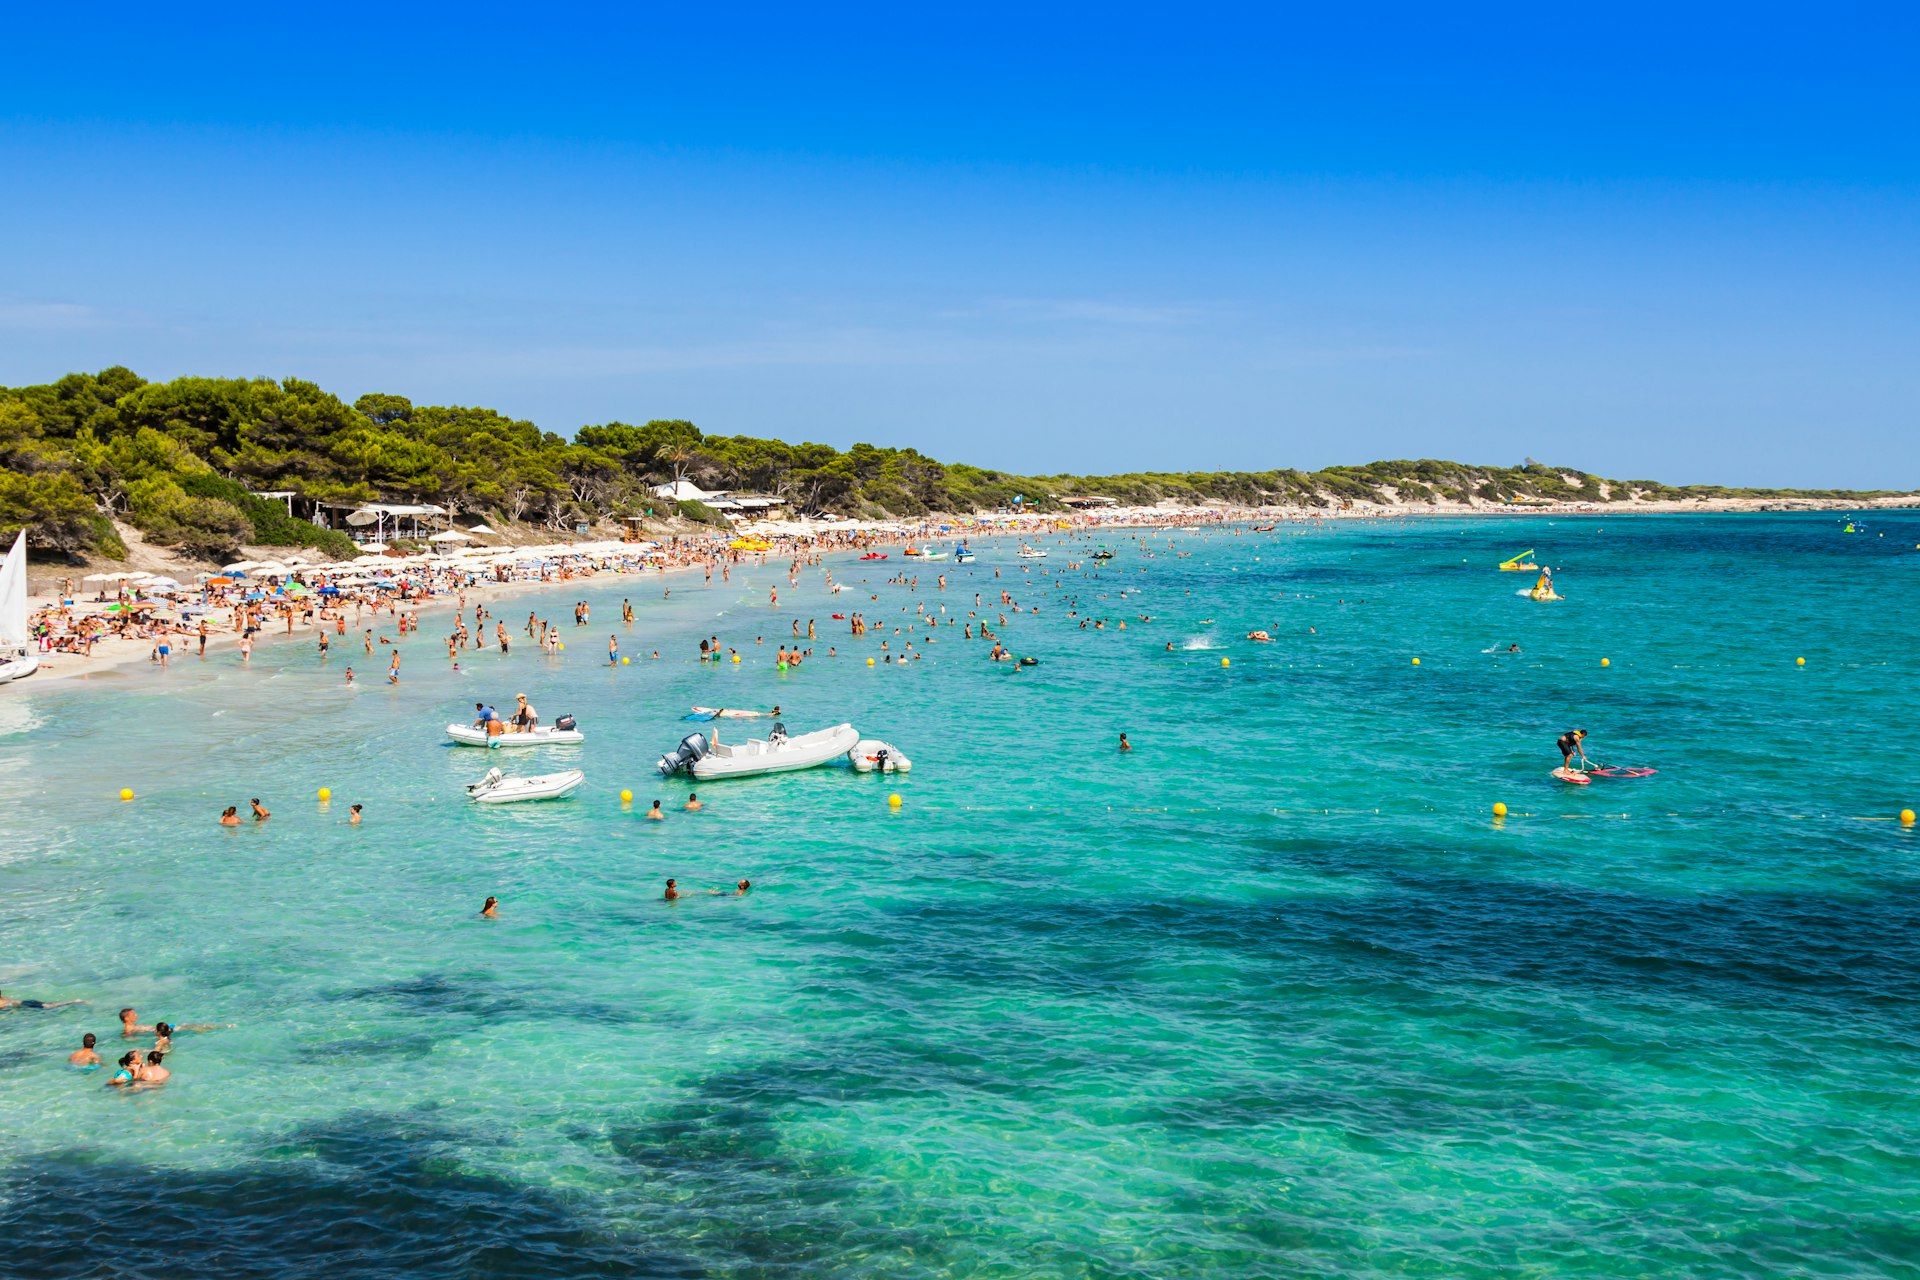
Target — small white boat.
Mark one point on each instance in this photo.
(870, 755)
(963, 555)
(17, 656)
(776, 753)
(933, 555)
(1031, 553)
(468, 735)
(498, 788)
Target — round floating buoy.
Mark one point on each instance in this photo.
(325, 795)
(126, 793)
(1416, 662)
(1226, 662)
(869, 661)
(626, 662)
(1906, 817)
(736, 659)
(626, 797)
(893, 801)
(1499, 809)
(1606, 662)
(1799, 662)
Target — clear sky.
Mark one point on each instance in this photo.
(1663, 241)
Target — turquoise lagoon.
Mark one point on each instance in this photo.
(1272, 995)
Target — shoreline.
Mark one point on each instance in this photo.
(113, 656)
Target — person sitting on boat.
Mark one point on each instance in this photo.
(1571, 744)
(525, 718)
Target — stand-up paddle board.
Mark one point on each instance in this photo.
(1574, 776)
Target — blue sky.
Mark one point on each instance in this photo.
(1651, 244)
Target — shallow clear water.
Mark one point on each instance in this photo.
(1272, 995)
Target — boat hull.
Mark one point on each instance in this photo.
(865, 757)
(752, 759)
(466, 735)
(19, 668)
(551, 786)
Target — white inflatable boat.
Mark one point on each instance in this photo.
(498, 788)
(776, 753)
(468, 735)
(870, 755)
(1032, 553)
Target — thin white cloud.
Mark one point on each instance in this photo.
(23, 313)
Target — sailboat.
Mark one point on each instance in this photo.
(17, 657)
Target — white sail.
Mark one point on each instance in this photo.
(13, 596)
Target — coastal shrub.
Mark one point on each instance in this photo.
(50, 505)
(271, 525)
(701, 513)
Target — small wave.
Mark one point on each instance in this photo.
(1199, 642)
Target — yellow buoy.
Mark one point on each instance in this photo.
(626, 662)
(869, 661)
(559, 645)
(1226, 662)
(1799, 662)
(1606, 662)
(1906, 817)
(325, 795)
(893, 801)
(126, 793)
(736, 658)
(626, 797)
(1416, 662)
(1499, 809)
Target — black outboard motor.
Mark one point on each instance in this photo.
(691, 748)
(565, 722)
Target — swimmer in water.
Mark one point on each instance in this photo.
(230, 816)
(693, 803)
(1124, 744)
(1571, 743)
(259, 813)
(8, 1002)
(85, 1056)
(153, 1073)
(490, 909)
(353, 817)
(1513, 648)
(654, 814)
(671, 892)
(128, 1073)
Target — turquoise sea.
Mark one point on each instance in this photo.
(1271, 995)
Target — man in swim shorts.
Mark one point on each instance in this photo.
(85, 1056)
(1570, 744)
(8, 1002)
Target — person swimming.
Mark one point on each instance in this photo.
(153, 1073)
(230, 816)
(654, 814)
(7, 1002)
(672, 891)
(129, 1072)
(85, 1056)
(490, 909)
(693, 803)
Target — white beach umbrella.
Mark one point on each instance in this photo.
(238, 566)
(451, 535)
(366, 560)
(481, 528)
(373, 547)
